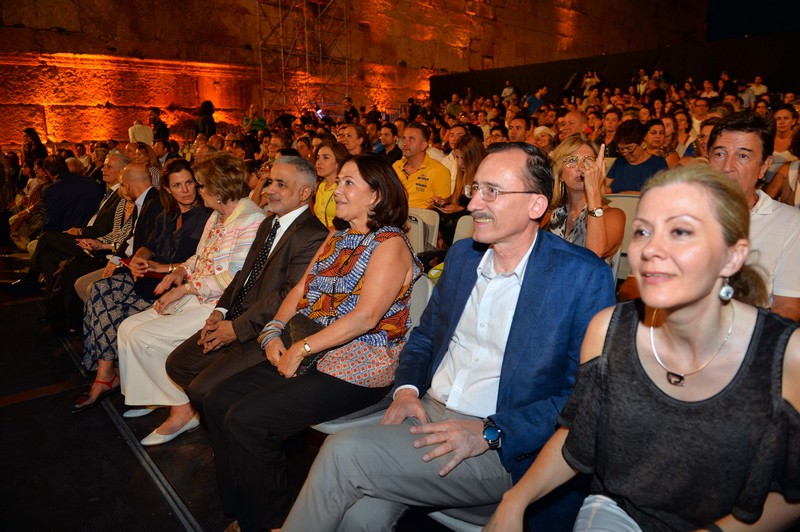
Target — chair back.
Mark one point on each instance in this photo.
(423, 229)
(420, 295)
(628, 204)
(464, 228)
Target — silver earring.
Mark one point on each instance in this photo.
(726, 292)
(219, 200)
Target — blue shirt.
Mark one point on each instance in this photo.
(627, 177)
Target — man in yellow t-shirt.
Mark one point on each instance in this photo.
(422, 176)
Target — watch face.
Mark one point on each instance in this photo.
(491, 434)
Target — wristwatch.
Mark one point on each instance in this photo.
(491, 433)
(306, 347)
(597, 213)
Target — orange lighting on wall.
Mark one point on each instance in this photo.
(82, 96)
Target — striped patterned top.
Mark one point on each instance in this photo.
(121, 229)
(222, 250)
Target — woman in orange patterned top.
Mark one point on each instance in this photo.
(347, 318)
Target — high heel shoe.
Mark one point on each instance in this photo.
(154, 438)
(84, 402)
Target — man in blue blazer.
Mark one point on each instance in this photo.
(483, 377)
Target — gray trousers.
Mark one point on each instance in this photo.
(365, 478)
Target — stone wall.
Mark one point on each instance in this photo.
(75, 69)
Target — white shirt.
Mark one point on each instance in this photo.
(286, 220)
(468, 378)
(449, 162)
(435, 153)
(775, 244)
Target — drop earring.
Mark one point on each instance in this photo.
(726, 292)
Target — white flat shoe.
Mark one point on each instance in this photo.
(140, 412)
(154, 438)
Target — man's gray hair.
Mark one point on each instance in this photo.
(302, 167)
(124, 160)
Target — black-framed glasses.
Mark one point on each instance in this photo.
(489, 193)
(630, 148)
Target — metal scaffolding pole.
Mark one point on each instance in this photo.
(304, 54)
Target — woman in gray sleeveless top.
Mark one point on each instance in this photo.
(685, 410)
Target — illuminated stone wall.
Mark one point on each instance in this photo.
(87, 69)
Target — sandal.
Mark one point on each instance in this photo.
(84, 402)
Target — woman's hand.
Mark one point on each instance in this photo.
(451, 208)
(90, 244)
(170, 297)
(169, 280)
(274, 351)
(138, 267)
(290, 360)
(438, 202)
(594, 174)
(109, 270)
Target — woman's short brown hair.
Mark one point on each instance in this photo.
(223, 175)
(392, 207)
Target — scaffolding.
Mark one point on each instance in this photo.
(304, 51)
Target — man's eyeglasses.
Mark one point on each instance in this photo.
(490, 193)
(573, 160)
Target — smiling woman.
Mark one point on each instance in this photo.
(685, 411)
(331, 349)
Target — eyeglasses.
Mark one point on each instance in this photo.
(199, 186)
(489, 193)
(630, 148)
(573, 160)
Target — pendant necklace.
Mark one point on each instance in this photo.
(678, 379)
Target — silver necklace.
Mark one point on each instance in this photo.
(678, 379)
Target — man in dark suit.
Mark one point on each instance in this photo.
(160, 129)
(135, 187)
(483, 377)
(56, 246)
(227, 343)
(71, 200)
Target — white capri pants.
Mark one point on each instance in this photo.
(145, 340)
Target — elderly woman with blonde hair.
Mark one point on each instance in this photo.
(188, 295)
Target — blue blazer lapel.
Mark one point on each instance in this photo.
(456, 297)
(530, 309)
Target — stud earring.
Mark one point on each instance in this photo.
(726, 292)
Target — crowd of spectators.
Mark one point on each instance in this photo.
(345, 172)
